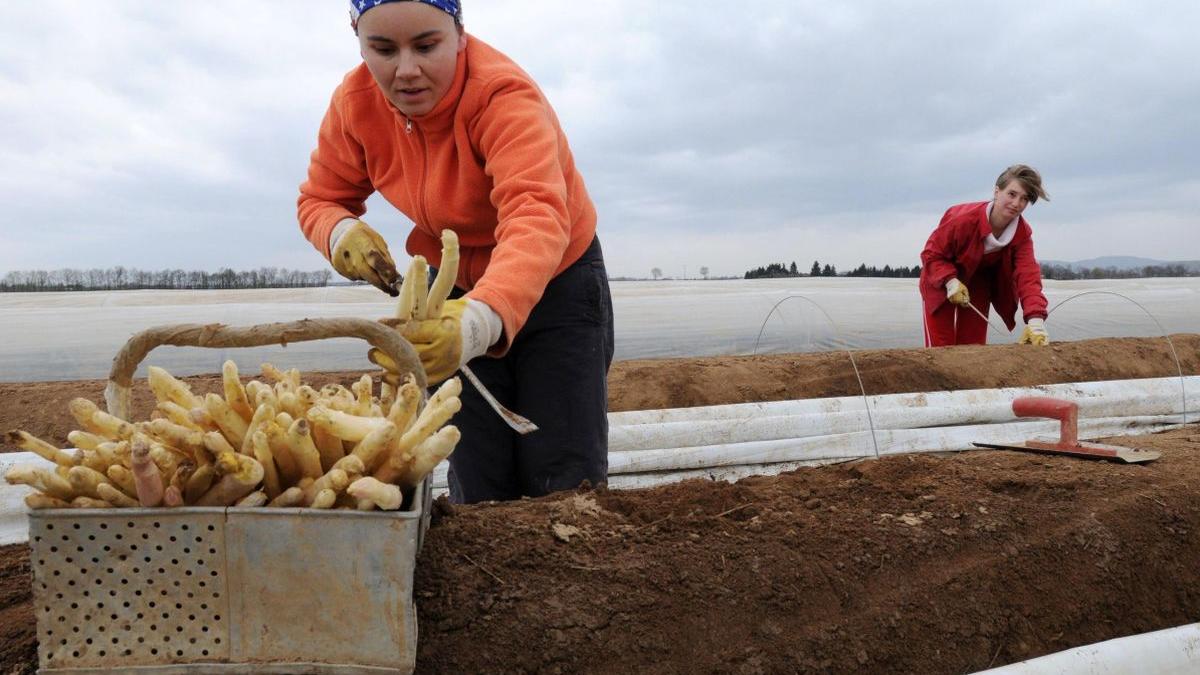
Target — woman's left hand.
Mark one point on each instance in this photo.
(464, 330)
(1035, 333)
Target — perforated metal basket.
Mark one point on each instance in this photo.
(229, 590)
(240, 590)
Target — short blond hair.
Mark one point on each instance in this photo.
(1029, 179)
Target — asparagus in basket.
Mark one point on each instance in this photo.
(268, 443)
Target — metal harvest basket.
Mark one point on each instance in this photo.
(229, 590)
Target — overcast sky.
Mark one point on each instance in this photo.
(159, 134)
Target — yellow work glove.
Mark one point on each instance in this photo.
(1035, 333)
(465, 330)
(956, 292)
(360, 254)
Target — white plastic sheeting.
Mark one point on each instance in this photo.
(1174, 651)
(653, 319)
(14, 528)
(1089, 395)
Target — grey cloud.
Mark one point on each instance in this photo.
(690, 119)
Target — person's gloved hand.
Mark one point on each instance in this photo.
(1035, 333)
(465, 330)
(360, 254)
(956, 292)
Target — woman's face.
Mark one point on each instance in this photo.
(411, 49)
(1011, 200)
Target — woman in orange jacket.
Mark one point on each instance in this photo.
(981, 256)
(456, 136)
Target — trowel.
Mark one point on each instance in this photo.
(1067, 443)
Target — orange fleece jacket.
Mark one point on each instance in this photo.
(490, 162)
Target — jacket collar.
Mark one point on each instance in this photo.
(985, 225)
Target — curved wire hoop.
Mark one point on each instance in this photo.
(1162, 331)
(837, 331)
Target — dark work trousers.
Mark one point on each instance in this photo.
(555, 374)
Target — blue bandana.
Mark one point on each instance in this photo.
(451, 7)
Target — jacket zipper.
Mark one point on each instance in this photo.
(423, 181)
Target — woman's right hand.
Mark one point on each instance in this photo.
(956, 292)
(360, 254)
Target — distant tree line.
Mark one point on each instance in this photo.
(1062, 272)
(899, 272)
(780, 270)
(774, 271)
(123, 279)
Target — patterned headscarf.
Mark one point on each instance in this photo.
(451, 7)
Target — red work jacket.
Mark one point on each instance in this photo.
(955, 249)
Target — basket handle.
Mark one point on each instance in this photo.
(117, 395)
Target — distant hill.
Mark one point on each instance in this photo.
(1122, 262)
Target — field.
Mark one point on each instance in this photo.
(653, 319)
(930, 564)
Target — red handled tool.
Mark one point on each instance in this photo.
(1067, 443)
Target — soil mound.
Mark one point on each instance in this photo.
(18, 627)
(682, 383)
(916, 564)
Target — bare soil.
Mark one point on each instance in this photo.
(18, 628)
(917, 564)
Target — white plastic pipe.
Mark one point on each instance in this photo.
(766, 428)
(778, 436)
(645, 468)
(1174, 651)
(859, 444)
(1078, 391)
(728, 474)
(635, 481)
(14, 529)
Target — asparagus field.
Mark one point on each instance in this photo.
(907, 564)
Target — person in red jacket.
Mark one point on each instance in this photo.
(981, 254)
(456, 136)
